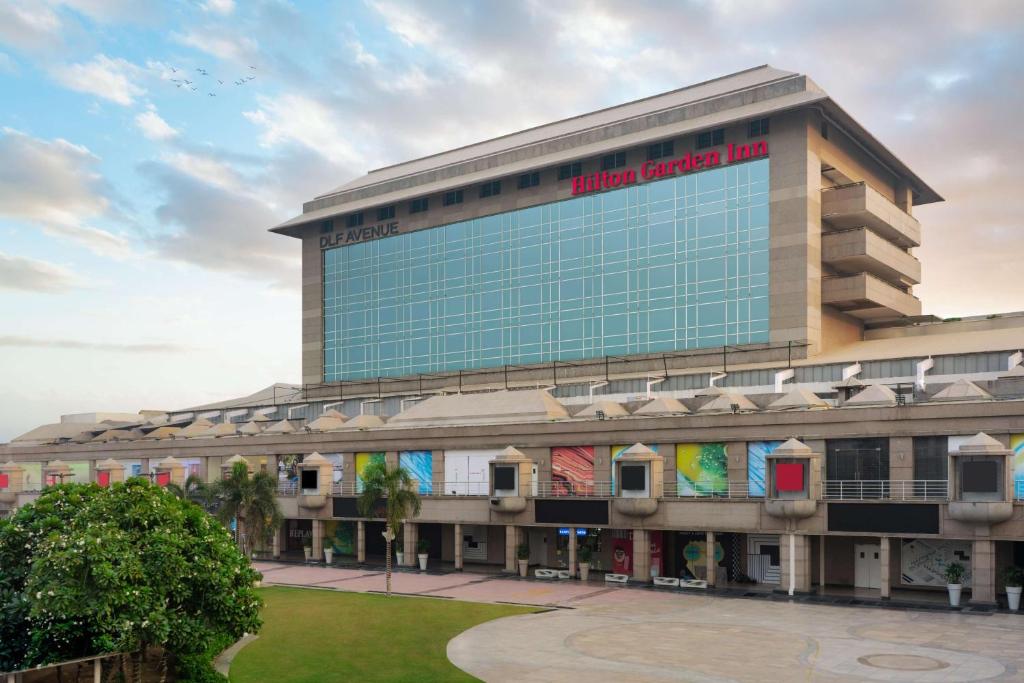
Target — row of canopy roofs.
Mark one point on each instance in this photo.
(492, 408)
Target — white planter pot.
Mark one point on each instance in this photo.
(329, 555)
(655, 571)
(422, 557)
(1013, 597)
(954, 593)
(584, 570)
(400, 556)
(309, 553)
(524, 567)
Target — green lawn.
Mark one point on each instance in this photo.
(316, 636)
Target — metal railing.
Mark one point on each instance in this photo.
(886, 489)
(1018, 489)
(573, 489)
(722, 489)
(287, 488)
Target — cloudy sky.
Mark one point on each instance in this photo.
(135, 266)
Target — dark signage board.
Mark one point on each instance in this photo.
(884, 518)
(588, 512)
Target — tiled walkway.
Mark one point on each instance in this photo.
(623, 634)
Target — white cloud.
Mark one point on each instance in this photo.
(55, 186)
(213, 41)
(29, 26)
(32, 275)
(224, 7)
(412, 27)
(154, 127)
(207, 169)
(293, 118)
(111, 79)
(7, 64)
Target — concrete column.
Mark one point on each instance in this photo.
(275, 549)
(983, 572)
(512, 539)
(641, 555)
(458, 547)
(799, 574)
(821, 564)
(97, 671)
(572, 551)
(360, 542)
(885, 580)
(712, 565)
(318, 540)
(410, 537)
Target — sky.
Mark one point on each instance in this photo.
(136, 270)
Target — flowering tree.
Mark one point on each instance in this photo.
(86, 570)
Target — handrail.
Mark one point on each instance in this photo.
(287, 488)
(1018, 489)
(885, 489)
(735, 489)
(559, 488)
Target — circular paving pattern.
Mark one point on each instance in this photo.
(894, 662)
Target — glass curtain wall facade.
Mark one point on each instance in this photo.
(674, 264)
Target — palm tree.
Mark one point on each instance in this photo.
(395, 488)
(251, 500)
(197, 491)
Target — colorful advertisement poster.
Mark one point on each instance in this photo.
(923, 561)
(616, 452)
(337, 470)
(656, 545)
(622, 556)
(362, 460)
(420, 466)
(341, 536)
(701, 469)
(757, 451)
(1017, 446)
(572, 470)
(32, 479)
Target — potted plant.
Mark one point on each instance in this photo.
(328, 555)
(399, 552)
(307, 547)
(583, 555)
(523, 558)
(1013, 577)
(422, 548)
(954, 576)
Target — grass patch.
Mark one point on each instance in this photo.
(320, 636)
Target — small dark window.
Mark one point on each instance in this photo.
(772, 551)
(386, 213)
(711, 138)
(824, 130)
(610, 161)
(452, 197)
(633, 478)
(757, 128)
(310, 479)
(354, 220)
(979, 476)
(660, 150)
(490, 189)
(566, 171)
(327, 226)
(504, 478)
(419, 205)
(529, 180)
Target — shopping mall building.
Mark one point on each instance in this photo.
(680, 331)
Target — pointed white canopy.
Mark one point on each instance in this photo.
(610, 409)
(961, 390)
(873, 395)
(663, 406)
(250, 429)
(364, 422)
(798, 398)
(282, 427)
(725, 403)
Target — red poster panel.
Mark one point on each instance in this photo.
(572, 471)
(5, 481)
(656, 552)
(789, 476)
(163, 478)
(622, 556)
(103, 478)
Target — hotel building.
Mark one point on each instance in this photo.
(680, 331)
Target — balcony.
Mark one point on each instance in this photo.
(862, 251)
(886, 489)
(866, 297)
(736, 490)
(858, 205)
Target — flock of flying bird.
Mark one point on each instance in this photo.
(191, 85)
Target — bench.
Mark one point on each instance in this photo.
(545, 573)
(666, 581)
(695, 583)
(563, 574)
(616, 578)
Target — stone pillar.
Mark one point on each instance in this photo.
(318, 540)
(360, 542)
(572, 551)
(983, 572)
(800, 560)
(821, 563)
(885, 580)
(641, 555)
(712, 565)
(410, 537)
(275, 549)
(511, 541)
(458, 547)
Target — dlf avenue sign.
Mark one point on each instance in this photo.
(655, 170)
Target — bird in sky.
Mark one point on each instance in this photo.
(173, 70)
(203, 72)
(211, 94)
(220, 81)
(252, 67)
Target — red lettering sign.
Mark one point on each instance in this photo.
(163, 478)
(654, 170)
(5, 481)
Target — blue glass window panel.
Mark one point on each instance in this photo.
(669, 265)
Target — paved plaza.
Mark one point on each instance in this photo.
(597, 633)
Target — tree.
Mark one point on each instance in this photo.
(393, 487)
(251, 500)
(197, 491)
(86, 570)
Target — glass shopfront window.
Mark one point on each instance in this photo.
(674, 264)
